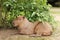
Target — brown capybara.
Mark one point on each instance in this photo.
(43, 29)
(24, 26)
(37, 28)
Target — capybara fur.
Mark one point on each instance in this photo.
(43, 29)
(28, 28)
(24, 26)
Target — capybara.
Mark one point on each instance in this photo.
(24, 26)
(29, 28)
(43, 29)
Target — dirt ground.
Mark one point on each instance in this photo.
(10, 34)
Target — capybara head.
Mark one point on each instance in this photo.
(18, 20)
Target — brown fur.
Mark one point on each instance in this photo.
(44, 29)
(26, 27)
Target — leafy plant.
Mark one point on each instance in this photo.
(33, 10)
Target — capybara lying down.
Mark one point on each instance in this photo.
(43, 29)
(29, 28)
(23, 25)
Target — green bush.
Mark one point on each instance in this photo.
(33, 10)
